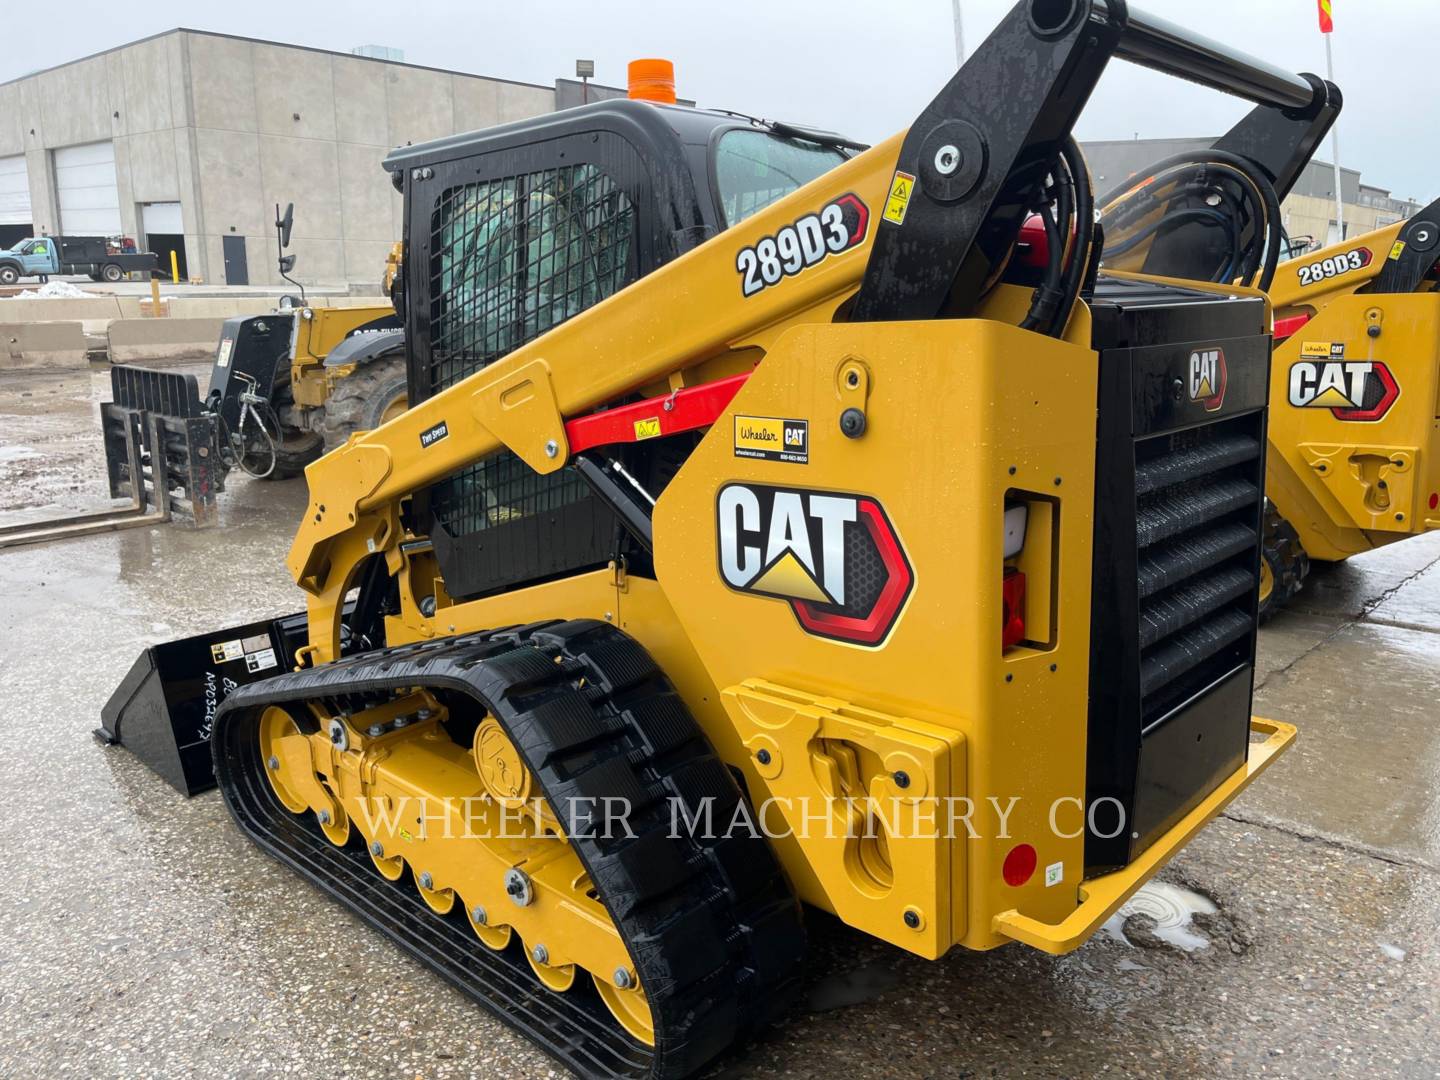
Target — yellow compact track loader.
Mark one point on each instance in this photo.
(771, 527)
(1354, 431)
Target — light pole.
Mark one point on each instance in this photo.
(585, 71)
(1327, 28)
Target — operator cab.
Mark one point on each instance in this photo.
(512, 230)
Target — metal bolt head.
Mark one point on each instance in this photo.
(377, 849)
(622, 979)
(912, 920)
(426, 881)
(540, 954)
(901, 778)
(424, 714)
(324, 816)
(402, 721)
(947, 159)
(763, 757)
(376, 730)
(519, 888)
(478, 915)
(852, 423)
(552, 448)
(273, 762)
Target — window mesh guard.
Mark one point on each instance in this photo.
(510, 259)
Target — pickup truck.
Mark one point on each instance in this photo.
(101, 259)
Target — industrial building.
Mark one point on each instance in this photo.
(1308, 211)
(187, 140)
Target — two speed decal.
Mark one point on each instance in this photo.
(836, 227)
(1344, 263)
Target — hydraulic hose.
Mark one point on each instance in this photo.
(1257, 263)
(1074, 215)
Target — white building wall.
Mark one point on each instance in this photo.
(228, 127)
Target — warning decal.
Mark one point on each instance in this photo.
(896, 203)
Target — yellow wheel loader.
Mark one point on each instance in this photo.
(1354, 429)
(768, 530)
(284, 386)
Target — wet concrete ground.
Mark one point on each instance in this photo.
(140, 935)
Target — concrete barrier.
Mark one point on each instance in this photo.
(29, 345)
(146, 340)
(60, 309)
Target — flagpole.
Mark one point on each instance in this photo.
(1335, 147)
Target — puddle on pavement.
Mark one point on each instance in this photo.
(1172, 911)
(850, 988)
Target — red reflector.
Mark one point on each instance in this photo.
(1289, 325)
(1019, 865)
(1434, 500)
(1012, 627)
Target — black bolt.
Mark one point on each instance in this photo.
(852, 423)
(1177, 390)
(1057, 481)
(1012, 470)
(763, 757)
(1054, 667)
(912, 920)
(852, 379)
(1399, 517)
(1373, 330)
(901, 778)
(1010, 677)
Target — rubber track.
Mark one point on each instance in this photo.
(713, 927)
(1289, 564)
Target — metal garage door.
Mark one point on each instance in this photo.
(161, 217)
(85, 184)
(15, 191)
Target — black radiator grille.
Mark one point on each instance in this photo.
(1197, 496)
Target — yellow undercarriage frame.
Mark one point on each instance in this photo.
(463, 821)
(897, 776)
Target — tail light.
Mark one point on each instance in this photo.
(1012, 630)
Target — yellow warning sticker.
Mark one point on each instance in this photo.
(1397, 250)
(898, 201)
(647, 429)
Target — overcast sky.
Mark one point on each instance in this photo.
(863, 68)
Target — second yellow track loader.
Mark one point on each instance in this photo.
(1354, 431)
(765, 532)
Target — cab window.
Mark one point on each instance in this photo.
(755, 168)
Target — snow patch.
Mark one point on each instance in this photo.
(52, 290)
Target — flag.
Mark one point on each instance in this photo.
(1327, 18)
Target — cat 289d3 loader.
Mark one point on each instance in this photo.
(746, 540)
(1354, 433)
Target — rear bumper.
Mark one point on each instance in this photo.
(1101, 897)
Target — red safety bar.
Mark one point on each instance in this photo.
(682, 410)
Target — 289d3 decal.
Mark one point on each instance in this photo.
(833, 556)
(1344, 263)
(836, 227)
